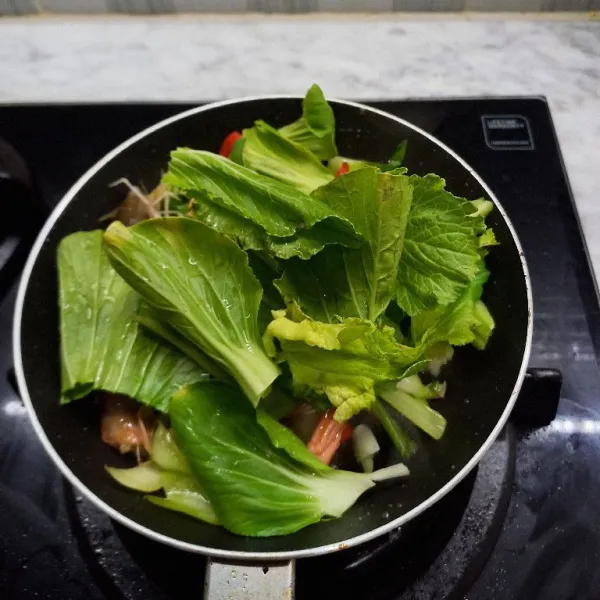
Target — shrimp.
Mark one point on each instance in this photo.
(125, 426)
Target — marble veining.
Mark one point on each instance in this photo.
(379, 57)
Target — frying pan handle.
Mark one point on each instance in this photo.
(226, 580)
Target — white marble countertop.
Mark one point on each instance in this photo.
(380, 56)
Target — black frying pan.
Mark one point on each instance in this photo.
(482, 385)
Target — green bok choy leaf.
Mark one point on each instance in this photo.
(198, 282)
(103, 346)
(255, 488)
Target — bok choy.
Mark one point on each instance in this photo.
(103, 346)
(315, 129)
(266, 294)
(200, 284)
(256, 487)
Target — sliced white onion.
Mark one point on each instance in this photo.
(365, 446)
(368, 464)
(391, 472)
(143, 478)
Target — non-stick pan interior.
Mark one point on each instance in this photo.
(479, 383)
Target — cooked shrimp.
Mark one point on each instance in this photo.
(124, 425)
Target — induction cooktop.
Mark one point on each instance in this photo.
(523, 526)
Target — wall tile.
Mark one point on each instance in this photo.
(214, 6)
(428, 5)
(75, 6)
(352, 5)
(504, 5)
(279, 6)
(20, 7)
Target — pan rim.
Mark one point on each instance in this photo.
(234, 554)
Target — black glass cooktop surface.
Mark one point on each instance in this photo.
(524, 526)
